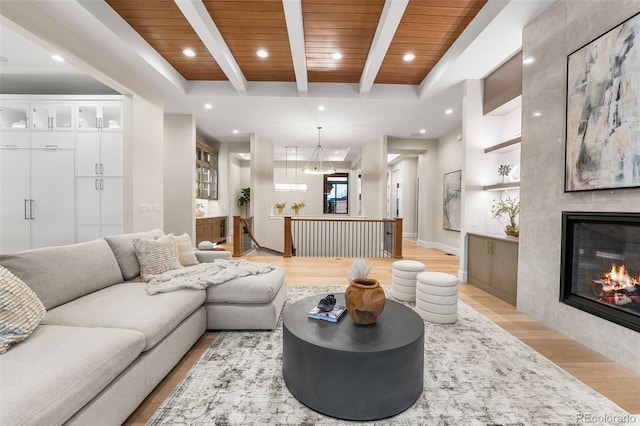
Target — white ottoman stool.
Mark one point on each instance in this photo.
(403, 284)
(437, 297)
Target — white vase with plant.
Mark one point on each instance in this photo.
(510, 207)
(280, 206)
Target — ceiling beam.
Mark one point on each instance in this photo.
(387, 26)
(295, 29)
(200, 19)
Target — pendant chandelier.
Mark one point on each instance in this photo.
(319, 164)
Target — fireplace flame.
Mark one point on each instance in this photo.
(618, 278)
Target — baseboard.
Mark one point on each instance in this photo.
(445, 248)
(462, 276)
(409, 234)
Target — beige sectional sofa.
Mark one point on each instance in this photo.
(104, 343)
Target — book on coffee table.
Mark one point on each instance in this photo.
(333, 315)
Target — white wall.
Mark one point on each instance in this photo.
(450, 159)
(374, 178)
(143, 166)
(261, 187)
(405, 173)
(562, 28)
(479, 132)
(179, 174)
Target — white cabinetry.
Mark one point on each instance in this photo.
(37, 194)
(60, 169)
(98, 170)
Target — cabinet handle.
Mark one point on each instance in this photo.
(26, 202)
(96, 185)
(50, 121)
(95, 168)
(97, 123)
(11, 146)
(31, 216)
(101, 168)
(101, 184)
(100, 122)
(51, 146)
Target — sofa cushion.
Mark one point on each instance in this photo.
(54, 373)
(186, 254)
(122, 246)
(20, 310)
(129, 306)
(60, 274)
(156, 256)
(252, 289)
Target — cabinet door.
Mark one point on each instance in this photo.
(111, 204)
(111, 154)
(53, 140)
(12, 139)
(88, 118)
(87, 208)
(14, 201)
(41, 116)
(14, 115)
(479, 259)
(62, 117)
(52, 192)
(88, 154)
(505, 270)
(111, 119)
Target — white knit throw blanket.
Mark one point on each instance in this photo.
(203, 275)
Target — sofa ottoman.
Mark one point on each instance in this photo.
(253, 302)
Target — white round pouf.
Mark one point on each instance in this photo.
(403, 284)
(437, 297)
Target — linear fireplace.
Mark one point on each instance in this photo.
(601, 265)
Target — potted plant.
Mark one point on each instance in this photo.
(280, 206)
(297, 206)
(245, 198)
(511, 208)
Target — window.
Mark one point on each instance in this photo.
(336, 193)
(206, 172)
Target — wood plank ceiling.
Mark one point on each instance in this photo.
(427, 29)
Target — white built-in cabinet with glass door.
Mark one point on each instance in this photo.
(99, 170)
(42, 196)
(36, 178)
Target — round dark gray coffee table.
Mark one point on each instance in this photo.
(351, 371)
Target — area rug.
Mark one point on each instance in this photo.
(475, 373)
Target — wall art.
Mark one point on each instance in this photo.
(452, 200)
(603, 111)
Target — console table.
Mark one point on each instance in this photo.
(351, 371)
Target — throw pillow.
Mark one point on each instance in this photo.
(20, 310)
(186, 255)
(156, 256)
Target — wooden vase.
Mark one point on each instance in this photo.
(365, 300)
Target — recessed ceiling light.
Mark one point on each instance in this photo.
(528, 60)
(208, 106)
(57, 58)
(423, 131)
(537, 114)
(448, 111)
(262, 53)
(189, 52)
(321, 108)
(235, 131)
(336, 55)
(408, 57)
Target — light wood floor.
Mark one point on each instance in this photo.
(617, 383)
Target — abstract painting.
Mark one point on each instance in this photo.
(603, 111)
(452, 200)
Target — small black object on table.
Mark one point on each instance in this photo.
(351, 371)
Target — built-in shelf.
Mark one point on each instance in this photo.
(501, 186)
(506, 146)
